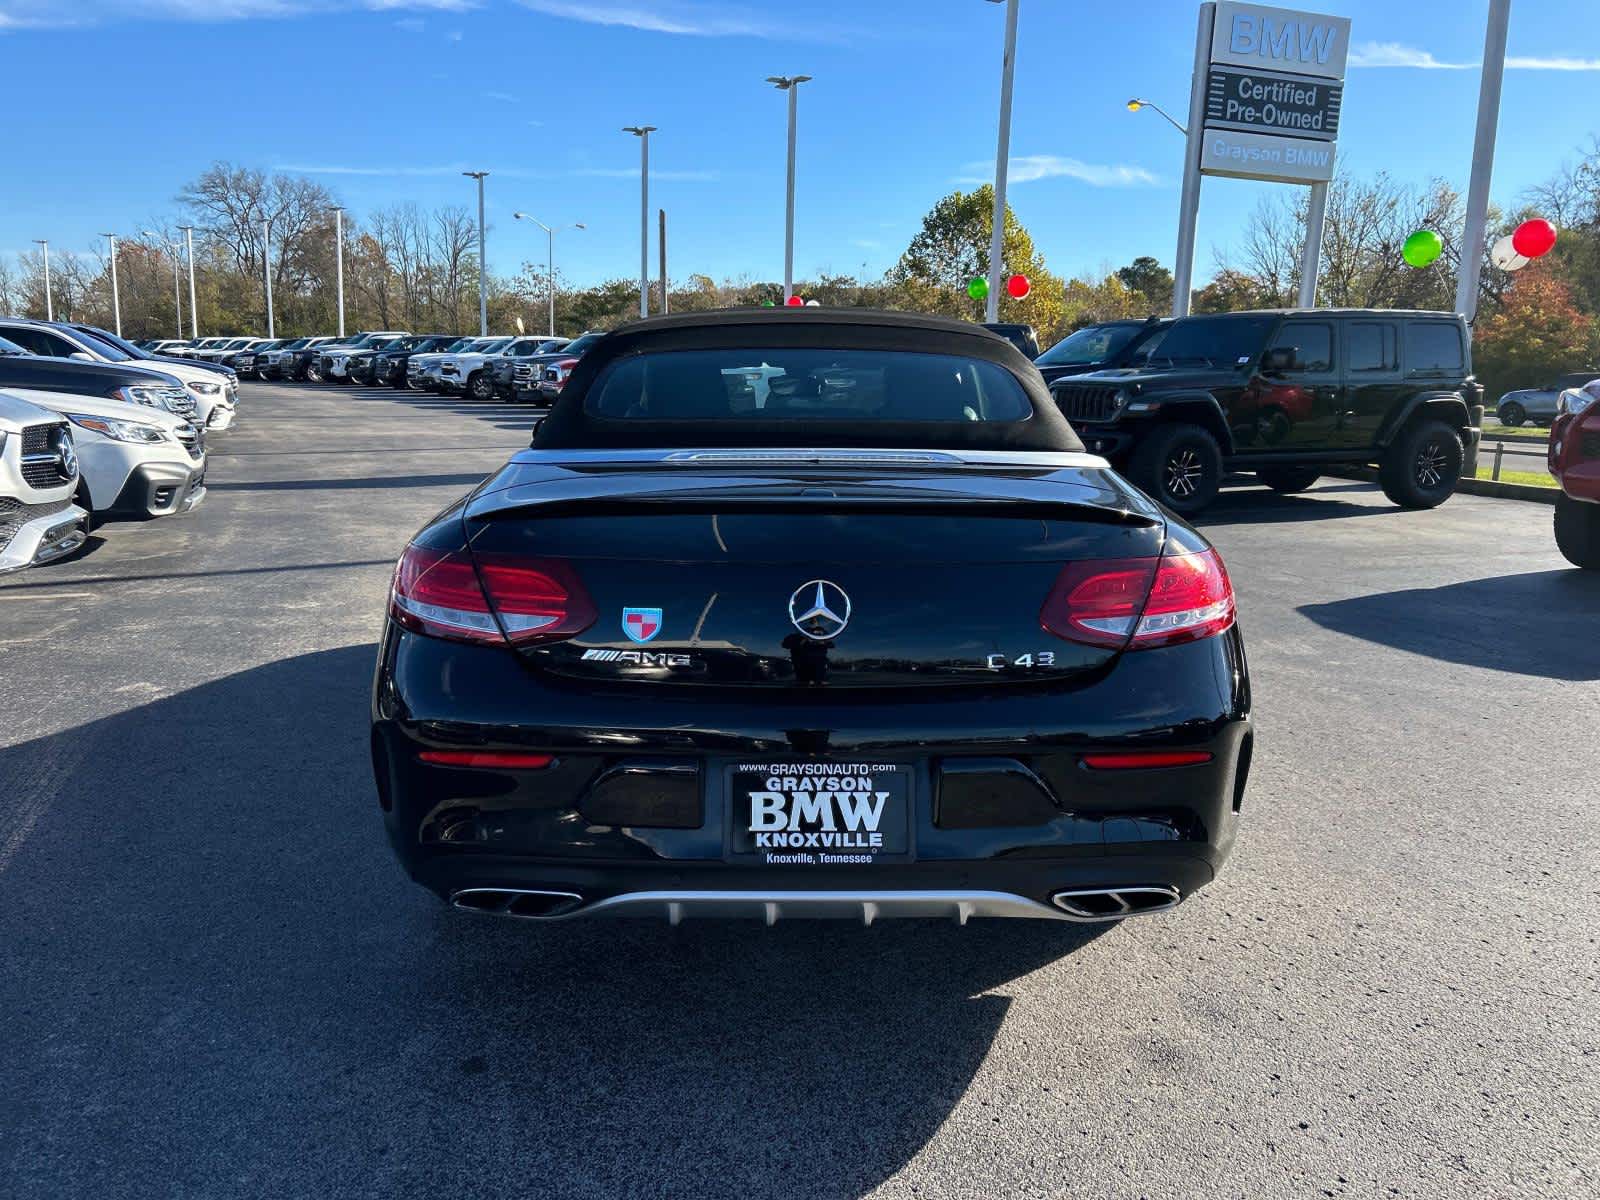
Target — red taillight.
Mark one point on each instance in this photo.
(1144, 760)
(444, 594)
(1140, 602)
(504, 760)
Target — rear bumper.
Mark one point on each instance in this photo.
(456, 829)
(44, 539)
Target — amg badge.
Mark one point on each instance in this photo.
(640, 658)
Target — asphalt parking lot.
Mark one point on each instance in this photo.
(215, 982)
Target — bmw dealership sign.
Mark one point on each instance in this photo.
(1273, 93)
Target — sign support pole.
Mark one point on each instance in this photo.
(1311, 255)
(1472, 236)
(1189, 200)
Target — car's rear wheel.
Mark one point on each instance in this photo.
(480, 386)
(1578, 532)
(313, 373)
(1422, 466)
(1287, 479)
(1512, 414)
(1180, 465)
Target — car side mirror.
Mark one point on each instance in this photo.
(1278, 360)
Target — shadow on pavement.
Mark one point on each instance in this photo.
(217, 982)
(1260, 506)
(1541, 623)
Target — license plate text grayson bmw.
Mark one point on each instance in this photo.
(820, 814)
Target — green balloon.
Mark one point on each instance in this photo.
(768, 304)
(1422, 247)
(978, 289)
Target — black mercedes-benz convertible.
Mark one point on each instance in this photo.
(810, 613)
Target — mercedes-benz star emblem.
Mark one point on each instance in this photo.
(819, 609)
(67, 457)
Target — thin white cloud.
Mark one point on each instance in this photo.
(1397, 54)
(633, 173)
(503, 97)
(43, 14)
(411, 25)
(682, 17)
(1028, 168)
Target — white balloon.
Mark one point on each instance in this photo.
(1504, 255)
(818, 303)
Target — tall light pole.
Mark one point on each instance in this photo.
(177, 293)
(1494, 66)
(550, 252)
(483, 275)
(266, 270)
(49, 303)
(790, 84)
(1002, 157)
(338, 260)
(643, 132)
(116, 295)
(194, 309)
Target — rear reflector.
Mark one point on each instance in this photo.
(1144, 760)
(1140, 602)
(487, 758)
(448, 594)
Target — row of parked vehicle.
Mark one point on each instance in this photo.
(93, 428)
(522, 368)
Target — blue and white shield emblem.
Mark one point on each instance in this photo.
(641, 624)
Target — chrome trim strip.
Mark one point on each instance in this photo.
(865, 906)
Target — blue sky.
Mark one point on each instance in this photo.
(116, 103)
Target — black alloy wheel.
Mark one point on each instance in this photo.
(480, 386)
(1422, 465)
(1512, 415)
(1578, 532)
(1179, 465)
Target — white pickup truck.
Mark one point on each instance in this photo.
(38, 478)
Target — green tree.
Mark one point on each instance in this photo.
(1537, 334)
(1150, 282)
(952, 249)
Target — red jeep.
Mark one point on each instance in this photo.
(1575, 462)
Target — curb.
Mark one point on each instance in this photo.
(1473, 487)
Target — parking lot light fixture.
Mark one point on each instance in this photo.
(1002, 157)
(266, 270)
(338, 261)
(194, 309)
(790, 84)
(177, 287)
(49, 303)
(643, 132)
(116, 295)
(550, 250)
(483, 276)
(1136, 104)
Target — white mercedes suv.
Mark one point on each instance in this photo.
(38, 478)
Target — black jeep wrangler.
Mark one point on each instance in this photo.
(1287, 394)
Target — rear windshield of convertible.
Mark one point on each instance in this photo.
(806, 384)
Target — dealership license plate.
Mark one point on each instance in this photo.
(820, 814)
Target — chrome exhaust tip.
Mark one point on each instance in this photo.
(529, 904)
(1113, 904)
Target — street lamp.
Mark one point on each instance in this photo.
(1002, 156)
(790, 84)
(49, 304)
(266, 269)
(338, 259)
(483, 278)
(550, 248)
(194, 309)
(643, 132)
(1136, 104)
(177, 293)
(116, 296)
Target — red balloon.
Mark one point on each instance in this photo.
(1534, 239)
(1018, 287)
(794, 301)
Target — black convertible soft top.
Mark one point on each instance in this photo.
(571, 425)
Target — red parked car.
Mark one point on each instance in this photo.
(1575, 462)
